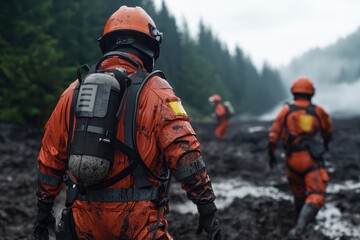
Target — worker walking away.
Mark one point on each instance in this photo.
(115, 138)
(305, 130)
(222, 112)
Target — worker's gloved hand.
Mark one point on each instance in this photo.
(211, 225)
(271, 152)
(326, 145)
(208, 221)
(272, 161)
(44, 220)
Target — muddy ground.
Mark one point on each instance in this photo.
(254, 202)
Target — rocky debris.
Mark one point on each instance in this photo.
(242, 156)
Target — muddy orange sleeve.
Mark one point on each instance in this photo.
(52, 159)
(181, 149)
(326, 123)
(277, 126)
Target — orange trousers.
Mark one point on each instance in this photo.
(310, 188)
(221, 129)
(94, 221)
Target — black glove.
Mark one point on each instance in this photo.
(326, 145)
(44, 219)
(272, 161)
(271, 152)
(208, 221)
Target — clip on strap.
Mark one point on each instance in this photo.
(73, 189)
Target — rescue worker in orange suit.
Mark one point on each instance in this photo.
(163, 136)
(305, 130)
(221, 115)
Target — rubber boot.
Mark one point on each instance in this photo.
(307, 215)
(299, 203)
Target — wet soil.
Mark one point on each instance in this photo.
(241, 157)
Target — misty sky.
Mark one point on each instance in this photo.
(274, 31)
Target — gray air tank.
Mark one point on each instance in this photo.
(91, 153)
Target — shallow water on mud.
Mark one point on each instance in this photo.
(254, 202)
(329, 219)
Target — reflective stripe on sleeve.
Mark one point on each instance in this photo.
(183, 171)
(48, 179)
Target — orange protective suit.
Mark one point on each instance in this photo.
(307, 176)
(223, 121)
(162, 133)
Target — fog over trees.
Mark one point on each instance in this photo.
(335, 70)
(42, 43)
(337, 63)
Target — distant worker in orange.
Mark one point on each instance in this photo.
(305, 130)
(222, 112)
(115, 138)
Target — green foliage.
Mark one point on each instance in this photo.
(42, 43)
(28, 56)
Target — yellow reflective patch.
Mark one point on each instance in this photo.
(178, 108)
(306, 122)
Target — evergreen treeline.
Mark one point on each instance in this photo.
(42, 43)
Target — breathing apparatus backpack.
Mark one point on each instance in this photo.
(98, 102)
(230, 111)
(310, 137)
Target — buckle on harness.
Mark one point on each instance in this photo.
(74, 188)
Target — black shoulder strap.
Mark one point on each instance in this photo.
(292, 109)
(140, 174)
(84, 68)
(71, 120)
(136, 165)
(311, 109)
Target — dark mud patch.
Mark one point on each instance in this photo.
(242, 157)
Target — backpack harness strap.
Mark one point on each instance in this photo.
(120, 195)
(140, 175)
(72, 113)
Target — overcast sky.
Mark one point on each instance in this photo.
(274, 31)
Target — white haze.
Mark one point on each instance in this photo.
(280, 31)
(330, 219)
(338, 99)
(341, 100)
(321, 69)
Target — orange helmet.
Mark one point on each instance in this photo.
(215, 98)
(303, 85)
(132, 29)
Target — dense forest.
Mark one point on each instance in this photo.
(43, 42)
(336, 63)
